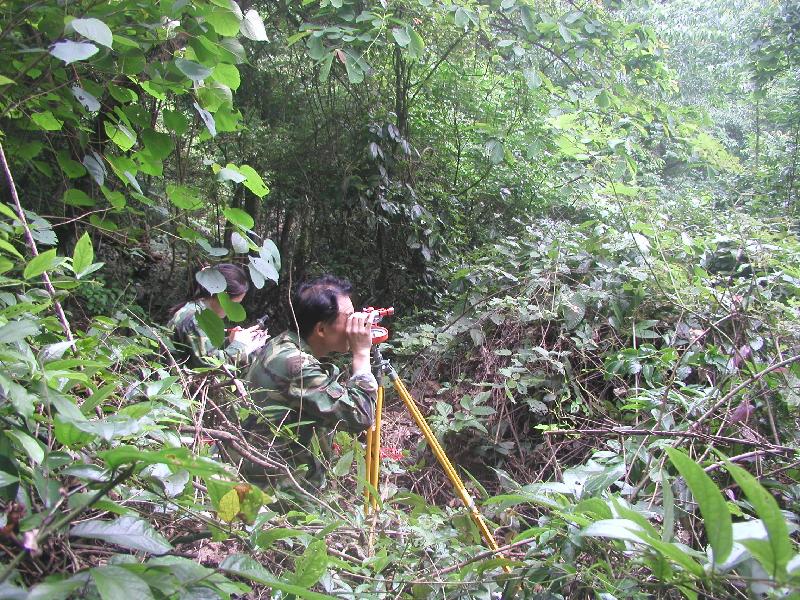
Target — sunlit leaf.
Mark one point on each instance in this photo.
(94, 30)
(71, 52)
(252, 27)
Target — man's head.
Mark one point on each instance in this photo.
(321, 308)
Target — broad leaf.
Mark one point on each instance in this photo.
(265, 268)
(779, 547)
(41, 263)
(88, 101)
(229, 506)
(716, 517)
(254, 183)
(93, 29)
(208, 119)
(47, 121)
(401, 36)
(233, 310)
(183, 196)
(212, 280)
(192, 70)
(76, 197)
(94, 164)
(126, 532)
(83, 256)
(239, 217)
(16, 331)
(175, 458)
(32, 447)
(213, 327)
(252, 27)
(239, 243)
(245, 566)
(311, 565)
(71, 52)
(118, 583)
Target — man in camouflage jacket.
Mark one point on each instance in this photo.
(296, 393)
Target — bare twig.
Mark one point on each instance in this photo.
(32, 245)
(722, 401)
(622, 431)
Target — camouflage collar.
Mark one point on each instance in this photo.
(295, 338)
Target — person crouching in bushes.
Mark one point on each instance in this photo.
(194, 344)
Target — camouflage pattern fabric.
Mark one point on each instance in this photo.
(297, 394)
(192, 342)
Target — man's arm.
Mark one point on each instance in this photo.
(319, 396)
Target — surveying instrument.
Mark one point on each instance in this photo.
(382, 368)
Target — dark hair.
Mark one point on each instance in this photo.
(236, 284)
(317, 301)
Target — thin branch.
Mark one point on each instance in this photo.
(722, 401)
(32, 246)
(420, 84)
(768, 447)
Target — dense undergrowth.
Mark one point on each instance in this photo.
(575, 359)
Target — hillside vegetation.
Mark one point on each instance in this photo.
(585, 214)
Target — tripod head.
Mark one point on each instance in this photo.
(379, 334)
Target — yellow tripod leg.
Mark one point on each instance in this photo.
(376, 447)
(373, 454)
(444, 461)
(368, 468)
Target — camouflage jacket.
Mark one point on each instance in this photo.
(193, 343)
(296, 393)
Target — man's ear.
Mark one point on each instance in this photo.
(320, 329)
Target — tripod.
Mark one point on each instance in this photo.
(383, 367)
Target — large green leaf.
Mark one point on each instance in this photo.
(239, 217)
(233, 310)
(71, 52)
(176, 458)
(716, 516)
(245, 566)
(159, 145)
(41, 263)
(252, 27)
(31, 446)
(401, 36)
(311, 565)
(264, 267)
(192, 70)
(183, 196)
(227, 75)
(16, 331)
(417, 46)
(254, 183)
(83, 255)
(126, 532)
(213, 327)
(779, 549)
(228, 506)
(212, 280)
(118, 583)
(94, 30)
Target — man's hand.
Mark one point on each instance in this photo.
(359, 332)
(359, 336)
